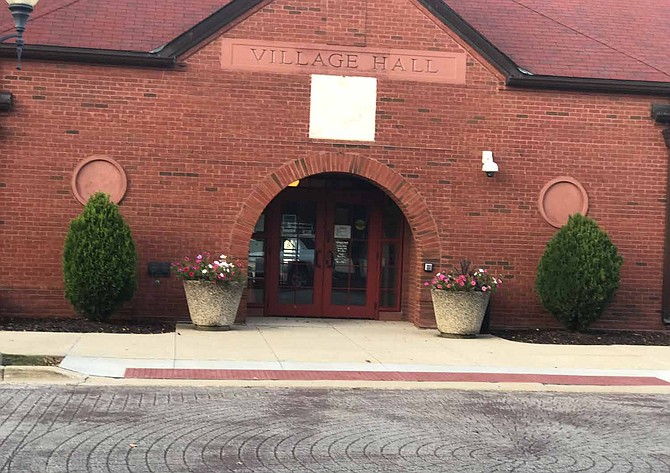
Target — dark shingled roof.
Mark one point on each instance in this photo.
(607, 39)
(596, 39)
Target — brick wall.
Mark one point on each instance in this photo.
(206, 149)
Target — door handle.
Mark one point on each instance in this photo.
(329, 261)
(316, 259)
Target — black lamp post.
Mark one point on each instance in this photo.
(21, 10)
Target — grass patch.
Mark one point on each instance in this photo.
(29, 360)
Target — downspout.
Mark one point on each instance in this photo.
(661, 114)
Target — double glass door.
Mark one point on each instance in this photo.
(322, 254)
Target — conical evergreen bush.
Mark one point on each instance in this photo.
(99, 260)
(578, 273)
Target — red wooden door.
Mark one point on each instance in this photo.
(351, 257)
(295, 254)
(323, 254)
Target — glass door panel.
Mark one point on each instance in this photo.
(256, 265)
(297, 241)
(297, 279)
(391, 257)
(347, 276)
(320, 262)
(256, 271)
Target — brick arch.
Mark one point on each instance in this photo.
(426, 242)
(417, 213)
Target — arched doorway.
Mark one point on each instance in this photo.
(421, 243)
(330, 245)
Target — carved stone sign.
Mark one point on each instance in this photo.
(291, 58)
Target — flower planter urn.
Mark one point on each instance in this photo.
(459, 314)
(212, 306)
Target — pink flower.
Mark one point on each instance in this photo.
(462, 283)
(441, 277)
(426, 284)
(439, 286)
(473, 283)
(484, 288)
(448, 286)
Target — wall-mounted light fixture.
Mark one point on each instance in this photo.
(5, 101)
(21, 10)
(661, 113)
(488, 166)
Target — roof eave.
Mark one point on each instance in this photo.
(94, 56)
(471, 36)
(582, 84)
(209, 27)
(516, 78)
(165, 56)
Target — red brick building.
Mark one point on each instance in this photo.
(339, 144)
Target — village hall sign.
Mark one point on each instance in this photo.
(292, 58)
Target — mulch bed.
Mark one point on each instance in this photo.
(18, 324)
(30, 360)
(546, 336)
(565, 337)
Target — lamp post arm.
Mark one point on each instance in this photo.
(20, 10)
(19, 46)
(9, 36)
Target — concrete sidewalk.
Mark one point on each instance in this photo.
(354, 350)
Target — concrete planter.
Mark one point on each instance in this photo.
(211, 306)
(459, 314)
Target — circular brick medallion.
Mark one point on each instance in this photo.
(560, 198)
(99, 173)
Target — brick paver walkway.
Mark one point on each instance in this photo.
(412, 376)
(96, 429)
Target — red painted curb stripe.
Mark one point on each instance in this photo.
(308, 375)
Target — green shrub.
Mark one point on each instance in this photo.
(99, 260)
(578, 273)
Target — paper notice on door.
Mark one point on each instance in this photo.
(342, 252)
(342, 231)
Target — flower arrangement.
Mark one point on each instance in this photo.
(204, 268)
(465, 280)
